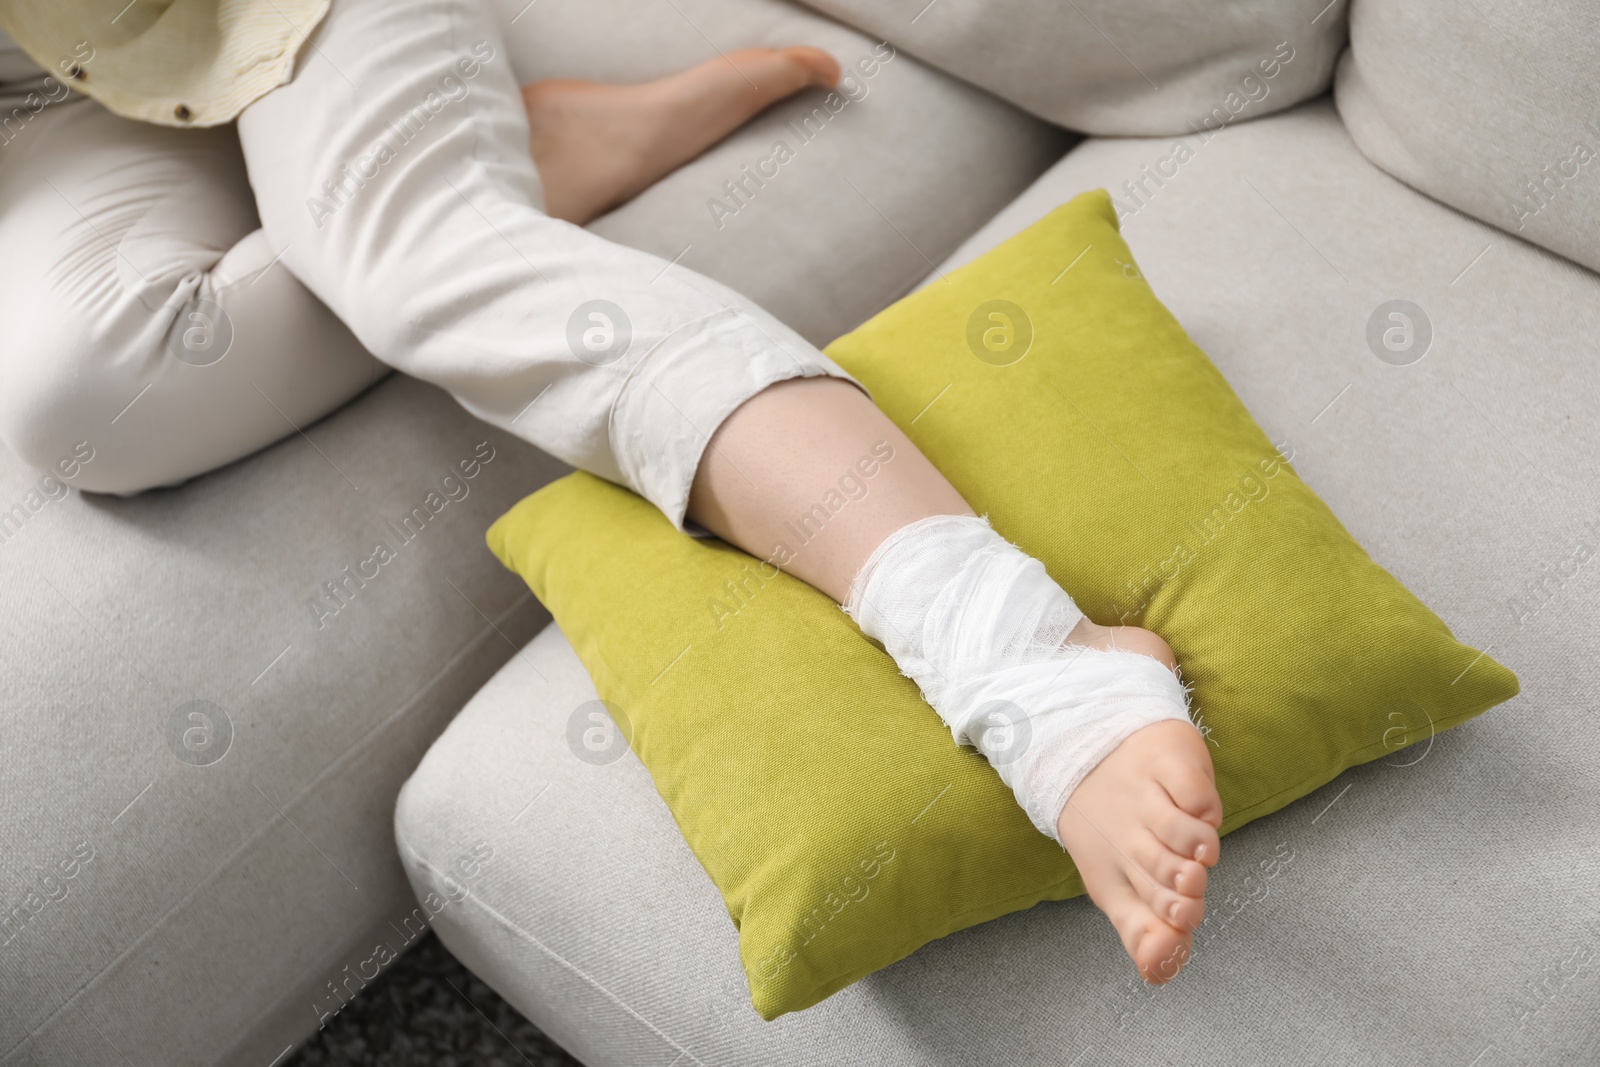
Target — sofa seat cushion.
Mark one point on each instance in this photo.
(1273, 245)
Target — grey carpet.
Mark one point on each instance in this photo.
(430, 1011)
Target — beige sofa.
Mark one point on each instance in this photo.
(1440, 909)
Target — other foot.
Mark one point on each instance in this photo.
(598, 145)
(1142, 826)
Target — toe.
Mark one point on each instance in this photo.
(1176, 910)
(1182, 913)
(1167, 868)
(1191, 879)
(1152, 869)
(1181, 832)
(822, 68)
(1192, 789)
(1157, 949)
(1162, 952)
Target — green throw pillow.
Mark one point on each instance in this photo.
(824, 798)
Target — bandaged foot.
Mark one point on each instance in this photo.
(1088, 725)
(597, 145)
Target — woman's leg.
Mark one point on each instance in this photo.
(598, 145)
(1142, 825)
(785, 450)
(394, 174)
(145, 321)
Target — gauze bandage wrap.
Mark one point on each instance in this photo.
(979, 626)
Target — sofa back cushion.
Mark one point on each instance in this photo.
(1120, 67)
(1488, 106)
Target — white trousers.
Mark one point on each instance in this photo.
(392, 180)
(123, 247)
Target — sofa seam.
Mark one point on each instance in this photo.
(493, 624)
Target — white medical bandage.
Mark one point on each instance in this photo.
(979, 625)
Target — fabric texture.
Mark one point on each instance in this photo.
(1490, 109)
(208, 926)
(1305, 657)
(170, 62)
(1118, 68)
(216, 693)
(1429, 907)
(983, 630)
(149, 318)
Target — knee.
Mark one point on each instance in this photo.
(60, 396)
(46, 426)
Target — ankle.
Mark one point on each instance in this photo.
(1088, 634)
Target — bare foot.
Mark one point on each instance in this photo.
(1142, 827)
(598, 146)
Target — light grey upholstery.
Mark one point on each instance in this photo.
(220, 895)
(1488, 106)
(222, 900)
(1121, 67)
(1439, 908)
